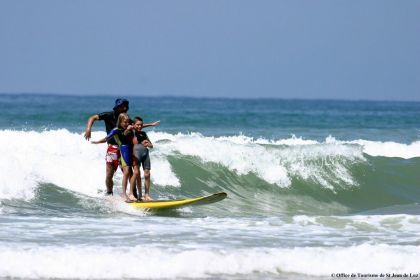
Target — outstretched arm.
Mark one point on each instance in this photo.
(155, 123)
(99, 141)
(111, 134)
(89, 125)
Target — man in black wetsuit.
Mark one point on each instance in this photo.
(112, 153)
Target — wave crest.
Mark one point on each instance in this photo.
(67, 160)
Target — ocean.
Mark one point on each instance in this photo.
(316, 189)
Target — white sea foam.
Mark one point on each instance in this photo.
(373, 148)
(350, 225)
(390, 149)
(149, 262)
(58, 157)
(384, 149)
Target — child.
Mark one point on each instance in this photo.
(141, 157)
(123, 135)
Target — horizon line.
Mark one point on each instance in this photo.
(202, 97)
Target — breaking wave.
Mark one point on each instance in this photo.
(290, 175)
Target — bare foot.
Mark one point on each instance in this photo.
(132, 197)
(147, 197)
(124, 197)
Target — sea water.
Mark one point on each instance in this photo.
(316, 188)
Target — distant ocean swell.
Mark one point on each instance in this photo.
(293, 176)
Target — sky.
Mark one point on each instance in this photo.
(305, 49)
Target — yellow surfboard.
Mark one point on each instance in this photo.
(164, 204)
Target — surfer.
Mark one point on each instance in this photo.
(123, 135)
(112, 153)
(141, 156)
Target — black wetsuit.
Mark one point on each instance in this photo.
(141, 136)
(110, 119)
(141, 153)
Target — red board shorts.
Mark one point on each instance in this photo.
(113, 155)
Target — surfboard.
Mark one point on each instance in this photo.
(166, 204)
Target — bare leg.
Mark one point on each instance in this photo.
(134, 188)
(126, 174)
(110, 170)
(133, 178)
(139, 184)
(147, 185)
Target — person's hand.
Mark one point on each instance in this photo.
(87, 134)
(130, 127)
(145, 143)
(155, 123)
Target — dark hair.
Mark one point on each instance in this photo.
(138, 119)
